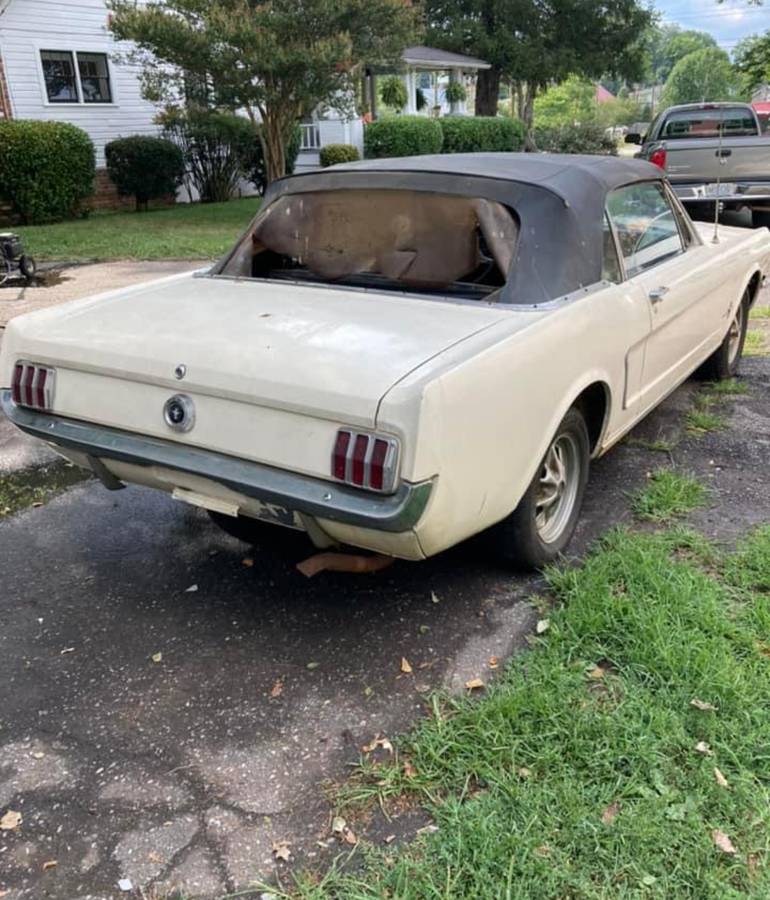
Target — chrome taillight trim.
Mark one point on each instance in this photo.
(27, 380)
(389, 466)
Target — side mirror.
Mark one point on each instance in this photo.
(633, 138)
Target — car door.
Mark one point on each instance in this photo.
(665, 259)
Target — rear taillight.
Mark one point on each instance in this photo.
(365, 460)
(658, 157)
(33, 386)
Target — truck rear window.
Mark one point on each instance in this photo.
(389, 239)
(708, 123)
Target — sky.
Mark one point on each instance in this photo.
(728, 22)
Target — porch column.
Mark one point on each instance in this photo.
(409, 81)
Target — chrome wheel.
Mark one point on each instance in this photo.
(558, 488)
(735, 334)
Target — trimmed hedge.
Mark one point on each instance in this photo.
(402, 136)
(144, 166)
(46, 169)
(588, 138)
(332, 154)
(475, 134)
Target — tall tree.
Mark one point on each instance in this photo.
(700, 77)
(536, 42)
(274, 59)
(674, 44)
(752, 61)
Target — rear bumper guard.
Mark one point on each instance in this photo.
(312, 496)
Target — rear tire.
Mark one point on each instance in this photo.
(260, 534)
(541, 526)
(28, 267)
(726, 359)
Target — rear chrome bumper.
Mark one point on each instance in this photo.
(744, 192)
(314, 497)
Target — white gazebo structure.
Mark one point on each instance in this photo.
(419, 61)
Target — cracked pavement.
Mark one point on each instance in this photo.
(181, 773)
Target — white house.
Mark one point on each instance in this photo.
(57, 61)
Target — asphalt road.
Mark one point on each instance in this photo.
(184, 771)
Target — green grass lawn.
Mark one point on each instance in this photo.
(625, 756)
(185, 231)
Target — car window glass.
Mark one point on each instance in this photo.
(610, 262)
(646, 227)
(708, 123)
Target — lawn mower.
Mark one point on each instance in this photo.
(14, 262)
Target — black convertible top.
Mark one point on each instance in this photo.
(559, 200)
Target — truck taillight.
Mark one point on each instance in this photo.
(658, 157)
(33, 386)
(365, 460)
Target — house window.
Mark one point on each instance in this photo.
(94, 77)
(59, 73)
(76, 77)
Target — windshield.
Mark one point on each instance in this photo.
(390, 239)
(707, 123)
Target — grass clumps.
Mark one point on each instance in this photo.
(730, 387)
(755, 344)
(668, 495)
(700, 420)
(590, 769)
(35, 487)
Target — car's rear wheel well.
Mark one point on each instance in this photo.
(754, 286)
(594, 403)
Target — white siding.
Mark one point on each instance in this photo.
(27, 26)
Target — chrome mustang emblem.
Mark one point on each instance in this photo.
(179, 412)
(180, 371)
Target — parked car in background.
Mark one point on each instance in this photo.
(399, 353)
(711, 152)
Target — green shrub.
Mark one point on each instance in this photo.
(402, 136)
(212, 144)
(474, 134)
(332, 154)
(586, 138)
(254, 159)
(144, 166)
(46, 169)
(393, 92)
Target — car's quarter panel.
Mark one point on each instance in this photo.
(485, 420)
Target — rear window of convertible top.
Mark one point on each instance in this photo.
(387, 239)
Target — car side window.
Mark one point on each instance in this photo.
(647, 229)
(610, 263)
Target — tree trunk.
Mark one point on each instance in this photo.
(487, 90)
(273, 137)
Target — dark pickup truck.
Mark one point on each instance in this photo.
(712, 152)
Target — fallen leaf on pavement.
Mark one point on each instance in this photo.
(722, 842)
(338, 824)
(703, 747)
(542, 626)
(474, 683)
(493, 662)
(702, 705)
(406, 666)
(10, 820)
(66, 650)
(50, 864)
(720, 778)
(378, 742)
(312, 665)
(4, 894)
(434, 597)
(349, 837)
(157, 657)
(192, 589)
(427, 829)
(37, 755)
(248, 562)
(390, 838)
(281, 850)
(608, 816)
(277, 689)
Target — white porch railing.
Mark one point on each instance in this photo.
(311, 138)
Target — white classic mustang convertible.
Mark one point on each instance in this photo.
(399, 354)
